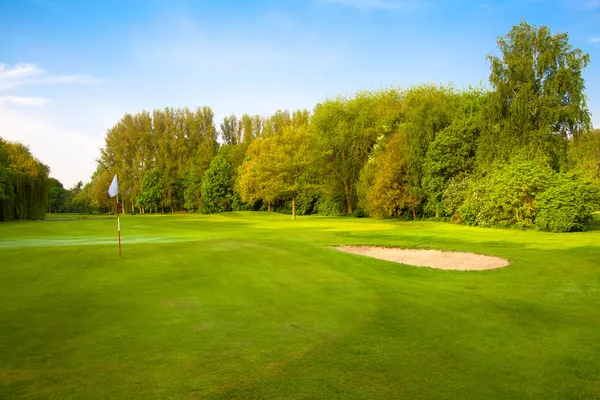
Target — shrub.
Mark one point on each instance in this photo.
(358, 214)
(505, 197)
(567, 205)
(325, 206)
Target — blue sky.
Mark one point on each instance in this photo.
(70, 69)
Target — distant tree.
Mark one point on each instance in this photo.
(217, 186)
(98, 190)
(229, 130)
(193, 180)
(25, 184)
(5, 178)
(56, 196)
(153, 187)
(347, 132)
(389, 193)
(453, 150)
(279, 166)
(256, 176)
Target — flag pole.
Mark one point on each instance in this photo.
(119, 227)
(113, 191)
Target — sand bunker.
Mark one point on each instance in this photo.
(429, 258)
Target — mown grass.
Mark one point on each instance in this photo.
(255, 305)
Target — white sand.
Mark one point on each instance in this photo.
(429, 258)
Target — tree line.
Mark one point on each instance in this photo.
(520, 152)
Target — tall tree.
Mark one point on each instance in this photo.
(56, 196)
(256, 173)
(389, 193)
(217, 186)
(229, 130)
(26, 184)
(347, 131)
(153, 187)
(279, 166)
(538, 98)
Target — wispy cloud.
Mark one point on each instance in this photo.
(26, 74)
(21, 70)
(24, 100)
(399, 5)
(595, 39)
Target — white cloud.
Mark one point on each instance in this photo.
(401, 5)
(21, 70)
(26, 74)
(71, 156)
(595, 39)
(24, 101)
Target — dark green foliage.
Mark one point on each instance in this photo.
(567, 205)
(454, 196)
(24, 183)
(306, 201)
(327, 206)
(506, 196)
(56, 197)
(5, 185)
(359, 214)
(153, 187)
(451, 153)
(217, 187)
(474, 156)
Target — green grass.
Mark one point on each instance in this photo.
(255, 305)
(75, 216)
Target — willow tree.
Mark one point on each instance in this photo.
(538, 98)
(25, 184)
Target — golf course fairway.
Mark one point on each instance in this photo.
(257, 306)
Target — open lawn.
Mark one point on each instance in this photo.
(255, 305)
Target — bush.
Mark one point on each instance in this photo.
(568, 205)
(325, 206)
(358, 214)
(505, 197)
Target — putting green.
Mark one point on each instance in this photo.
(255, 305)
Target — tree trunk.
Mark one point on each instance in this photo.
(348, 197)
(268, 206)
(294, 206)
(132, 208)
(413, 213)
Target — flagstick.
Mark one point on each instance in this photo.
(119, 226)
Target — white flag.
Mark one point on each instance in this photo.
(113, 190)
